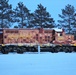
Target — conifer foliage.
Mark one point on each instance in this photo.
(42, 18)
(22, 15)
(5, 14)
(67, 18)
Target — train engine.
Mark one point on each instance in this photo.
(24, 40)
(21, 40)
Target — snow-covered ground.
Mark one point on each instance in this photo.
(38, 64)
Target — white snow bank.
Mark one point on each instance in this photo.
(38, 64)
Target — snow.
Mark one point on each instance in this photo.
(38, 64)
(57, 29)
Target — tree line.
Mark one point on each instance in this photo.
(21, 17)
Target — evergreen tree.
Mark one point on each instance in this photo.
(22, 15)
(30, 19)
(42, 18)
(5, 14)
(74, 21)
(67, 17)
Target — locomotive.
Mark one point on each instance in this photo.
(28, 39)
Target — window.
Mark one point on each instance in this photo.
(16, 31)
(60, 34)
(11, 31)
(7, 31)
(47, 31)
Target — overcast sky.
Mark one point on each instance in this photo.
(53, 6)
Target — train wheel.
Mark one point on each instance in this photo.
(4, 51)
(56, 49)
(34, 49)
(71, 49)
(19, 50)
(53, 50)
(68, 49)
(74, 49)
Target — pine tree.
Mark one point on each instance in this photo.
(22, 15)
(42, 18)
(67, 17)
(5, 14)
